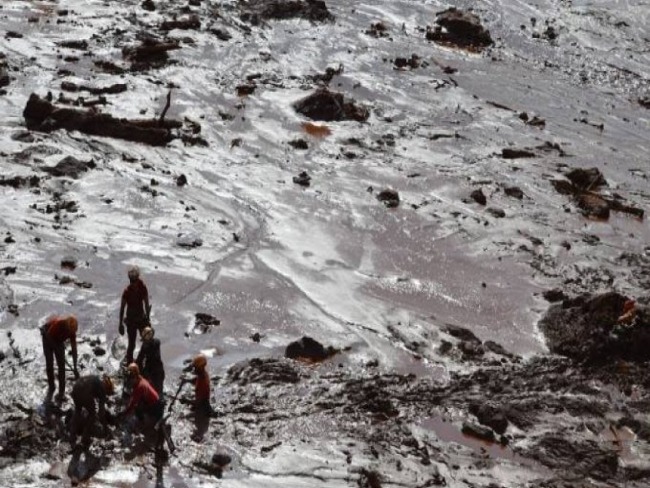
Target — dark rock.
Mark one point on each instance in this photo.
(256, 337)
(496, 212)
(69, 167)
(204, 322)
(389, 197)
(513, 153)
(259, 10)
(496, 348)
(586, 329)
(478, 432)
(328, 106)
(149, 5)
(4, 77)
(369, 479)
(99, 351)
(586, 179)
(8, 270)
(471, 350)
(303, 179)
(69, 262)
(461, 29)
(478, 196)
(554, 295)
(643, 101)
(412, 63)
(585, 459)
(461, 333)
(189, 241)
(181, 180)
(245, 90)
(222, 34)
(308, 348)
(80, 44)
(264, 371)
(299, 144)
(514, 192)
(192, 22)
(20, 181)
(378, 29)
(490, 416)
(221, 459)
(106, 90)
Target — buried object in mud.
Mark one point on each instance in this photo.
(308, 348)
(41, 115)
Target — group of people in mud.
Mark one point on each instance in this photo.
(144, 376)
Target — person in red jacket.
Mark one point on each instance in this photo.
(201, 386)
(54, 333)
(135, 299)
(145, 401)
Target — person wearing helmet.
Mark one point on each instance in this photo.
(201, 386)
(145, 401)
(135, 300)
(54, 333)
(88, 393)
(149, 360)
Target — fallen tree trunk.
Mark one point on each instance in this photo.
(41, 115)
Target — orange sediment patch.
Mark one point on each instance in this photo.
(316, 130)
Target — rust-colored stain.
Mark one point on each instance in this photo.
(316, 130)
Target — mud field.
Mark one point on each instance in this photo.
(452, 200)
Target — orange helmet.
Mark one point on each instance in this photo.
(109, 387)
(133, 370)
(72, 324)
(200, 361)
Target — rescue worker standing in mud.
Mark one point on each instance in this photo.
(135, 299)
(88, 393)
(54, 333)
(150, 362)
(201, 386)
(145, 401)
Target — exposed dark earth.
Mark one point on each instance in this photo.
(410, 236)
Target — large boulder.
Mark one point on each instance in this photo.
(256, 11)
(589, 328)
(308, 348)
(461, 29)
(328, 106)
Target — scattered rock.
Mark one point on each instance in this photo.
(643, 101)
(478, 196)
(325, 105)
(79, 44)
(21, 181)
(497, 213)
(107, 90)
(181, 180)
(308, 348)
(413, 62)
(246, 89)
(264, 371)
(191, 22)
(460, 29)
(303, 179)
(461, 333)
(189, 241)
(554, 295)
(99, 351)
(149, 5)
(478, 432)
(257, 11)
(390, 198)
(299, 144)
(586, 179)
(369, 479)
(69, 167)
(490, 416)
(378, 29)
(514, 192)
(513, 153)
(69, 262)
(204, 322)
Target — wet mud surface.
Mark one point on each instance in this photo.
(407, 185)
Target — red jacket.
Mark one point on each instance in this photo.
(202, 387)
(56, 330)
(143, 392)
